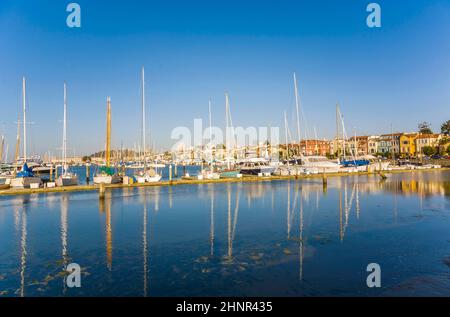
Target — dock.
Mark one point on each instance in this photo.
(177, 182)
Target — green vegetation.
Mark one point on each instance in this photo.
(425, 128)
(428, 150)
(445, 128)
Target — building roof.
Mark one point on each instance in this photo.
(428, 136)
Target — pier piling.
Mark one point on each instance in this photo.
(101, 191)
(170, 172)
(87, 174)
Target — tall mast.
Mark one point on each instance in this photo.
(143, 114)
(337, 132)
(286, 135)
(210, 131)
(1, 149)
(24, 119)
(65, 131)
(392, 144)
(297, 108)
(108, 131)
(17, 152)
(226, 129)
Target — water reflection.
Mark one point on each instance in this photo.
(105, 208)
(23, 254)
(145, 247)
(64, 228)
(284, 246)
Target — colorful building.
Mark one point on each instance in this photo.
(361, 143)
(315, 147)
(424, 140)
(408, 144)
(389, 143)
(372, 144)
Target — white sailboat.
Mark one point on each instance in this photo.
(147, 175)
(25, 178)
(209, 173)
(67, 178)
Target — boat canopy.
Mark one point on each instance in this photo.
(107, 170)
(25, 171)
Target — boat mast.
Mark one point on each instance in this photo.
(297, 108)
(17, 152)
(286, 134)
(108, 131)
(1, 149)
(24, 119)
(337, 133)
(226, 129)
(143, 115)
(65, 132)
(210, 134)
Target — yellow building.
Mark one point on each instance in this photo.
(408, 144)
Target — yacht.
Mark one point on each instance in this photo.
(25, 178)
(106, 174)
(146, 175)
(67, 178)
(319, 164)
(256, 166)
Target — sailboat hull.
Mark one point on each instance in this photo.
(107, 179)
(67, 181)
(25, 182)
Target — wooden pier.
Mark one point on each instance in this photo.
(244, 179)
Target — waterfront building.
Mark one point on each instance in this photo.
(315, 147)
(361, 144)
(408, 144)
(389, 143)
(372, 144)
(425, 140)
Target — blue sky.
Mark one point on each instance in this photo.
(196, 50)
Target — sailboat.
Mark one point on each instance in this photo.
(149, 175)
(228, 171)
(106, 174)
(210, 173)
(67, 178)
(25, 178)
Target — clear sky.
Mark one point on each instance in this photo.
(196, 50)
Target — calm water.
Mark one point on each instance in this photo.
(268, 238)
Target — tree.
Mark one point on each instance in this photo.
(428, 150)
(445, 128)
(448, 150)
(425, 128)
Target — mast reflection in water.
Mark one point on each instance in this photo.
(294, 238)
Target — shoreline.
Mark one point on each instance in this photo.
(244, 179)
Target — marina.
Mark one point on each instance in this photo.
(224, 157)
